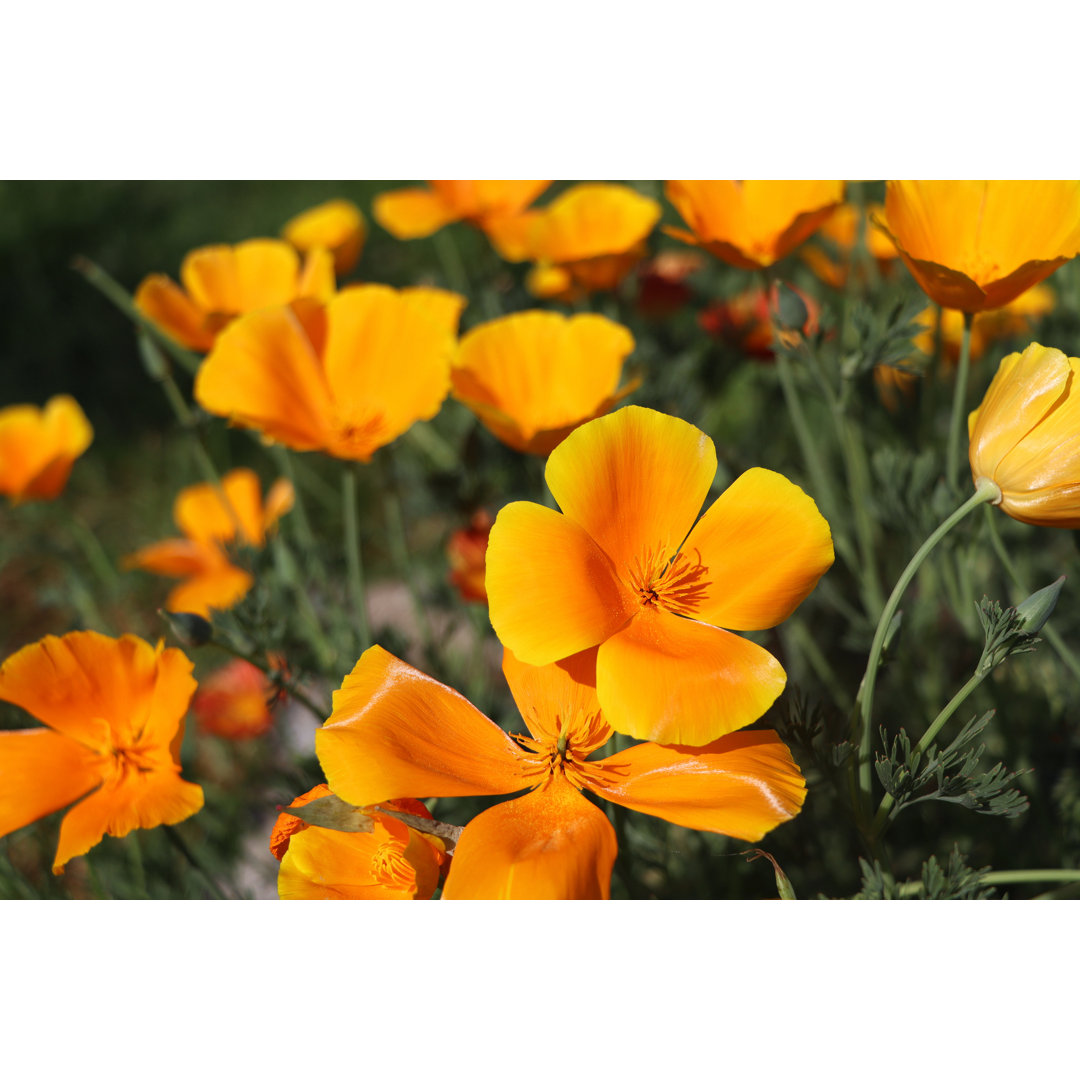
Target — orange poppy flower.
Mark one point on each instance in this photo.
(1025, 437)
(211, 518)
(974, 245)
(344, 378)
(745, 321)
(395, 729)
(234, 702)
(466, 550)
(830, 253)
(586, 240)
(114, 710)
(222, 282)
(39, 446)
(534, 376)
(392, 862)
(338, 226)
(410, 213)
(625, 567)
(752, 223)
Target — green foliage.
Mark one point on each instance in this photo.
(957, 881)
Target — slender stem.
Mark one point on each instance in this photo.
(299, 515)
(942, 718)
(115, 292)
(987, 491)
(959, 403)
(858, 473)
(450, 259)
(95, 553)
(181, 845)
(319, 710)
(1057, 642)
(1019, 877)
(353, 561)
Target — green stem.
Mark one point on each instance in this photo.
(986, 491)
(95, 553)
(318, 710)
(115, 292)
(858, 474)
(299, 516)
(959, 404)
(1020, 877)
(181, 845)
(450, 259)
(353, 561)
(1057, 642)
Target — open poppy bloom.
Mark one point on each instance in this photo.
(338, 226)
(39, 446)
(344, 378)
(211, 518)
(752, 223)
(410, 213)
(114, 710)
(974, 245)
(222, 282)
(625, 567)
(466, 551)
(587, 239)
(394, 729)
(234, 701)
(534, 376)
(829, 255)
(1025, 437)
(392, 862)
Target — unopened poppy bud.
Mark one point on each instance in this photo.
(191, 630)
(791, 311)
(1039, 606)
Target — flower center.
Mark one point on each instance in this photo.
(564, 748)
(390, 867)
(677, 585)
(360, 435)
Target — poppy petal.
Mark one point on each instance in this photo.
(765, 545)
(159, 298)
(143, 800)
(397, 733)
(208, 513)
(174, 558)
(742, 785)
(551, 591)
(316, 281)
(634, 481)
(411, 213)
(676, 681)
(218, 589)
(565, 691)
(551, 844)
(41, 772)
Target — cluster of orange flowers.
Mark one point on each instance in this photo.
(619, 613)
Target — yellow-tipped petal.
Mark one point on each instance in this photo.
(337, 225)
(161, 299)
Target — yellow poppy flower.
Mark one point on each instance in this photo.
(974, 245)
(394, 729)
(39, 446)
(338, 226)
(344, 378)
(210, 519)
(1025, 437)
(114, 712)
(625, 567)
(752, 223)
(223, 282)
(533, 377)
(410, 213)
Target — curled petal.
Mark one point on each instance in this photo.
(742, 785)
(411, 213)
(634, 481)
(765, 545)
(676, 681)
(396, 733)
(551, 591)
(162, 300)
(551, 844)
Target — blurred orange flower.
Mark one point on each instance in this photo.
(974, 245)
(222, 282)
(1025, 437)
(587, 239)
(395, 729)
(662, 288)
(344, 378)
(410, 213)
(752, 223)
(829, 255)
(392, 862)
(234, 702)
(114, 710)
(465, 551)
(211, 518)
(39, 446)
(534, 376)
(745, 322)
(618, 569)
(338, 226)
